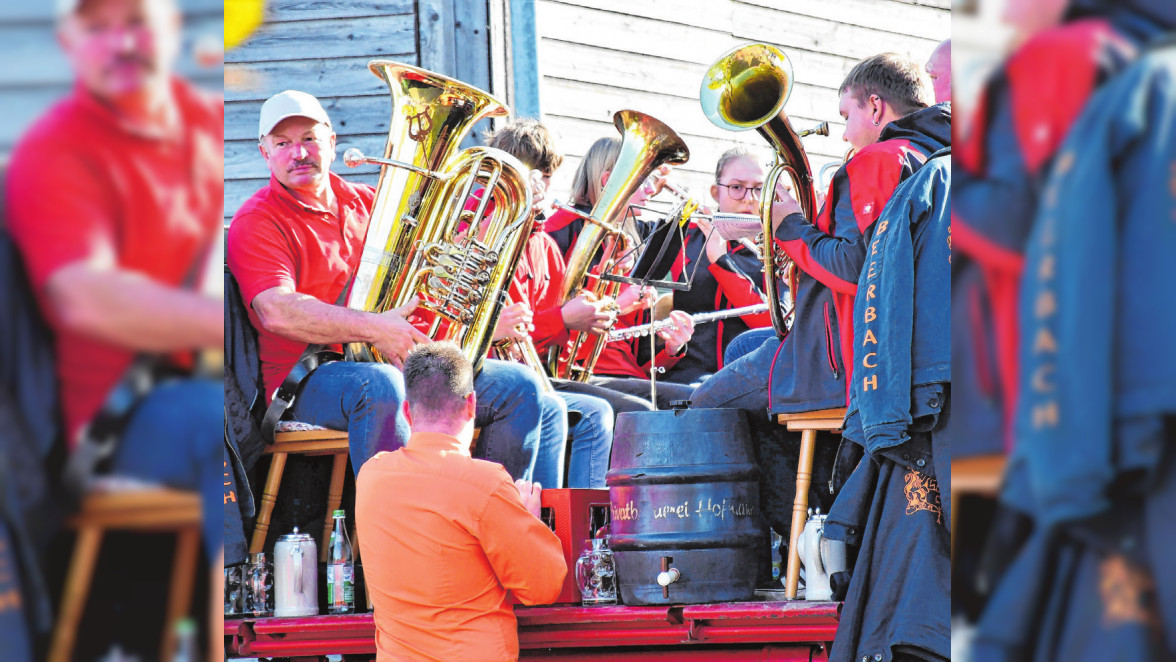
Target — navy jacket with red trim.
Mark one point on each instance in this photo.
(832, 253)
(1025, 112)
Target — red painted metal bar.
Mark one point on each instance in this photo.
(765, 654)
(714, 627)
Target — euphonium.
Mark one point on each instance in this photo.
(646, 143)
(421, 238)
(745, 89)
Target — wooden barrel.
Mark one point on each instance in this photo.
(684, 488)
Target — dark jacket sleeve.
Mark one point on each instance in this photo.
(857, 196)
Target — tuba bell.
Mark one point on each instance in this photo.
(423, 238)
(646, 144)
(745, 89)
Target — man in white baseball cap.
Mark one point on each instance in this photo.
(293, 248)
(290, 103)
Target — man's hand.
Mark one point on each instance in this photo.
(586, 313)
(530, 493)
(538, 192)
(397, 335)
(635, 297)
(783, 205)
(515, 322)
(679, 334)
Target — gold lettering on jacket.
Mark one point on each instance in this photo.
(869, 338)
(1040, 376)
(871, 314)
(866, 360)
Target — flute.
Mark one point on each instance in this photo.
(646, 329)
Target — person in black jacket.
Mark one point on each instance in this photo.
(725, 274)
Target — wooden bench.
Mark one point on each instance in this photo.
(808, 424)
(146, 510)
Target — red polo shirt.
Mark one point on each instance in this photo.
(275, 240)
(84, 184)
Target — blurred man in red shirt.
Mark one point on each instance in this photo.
(115, 204)
(443, 536)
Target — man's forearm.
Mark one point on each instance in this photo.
(306, 319)
(131, 310)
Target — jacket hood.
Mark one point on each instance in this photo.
(1141, 19)
(929, 128)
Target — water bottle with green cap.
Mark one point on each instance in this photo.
(340, 569)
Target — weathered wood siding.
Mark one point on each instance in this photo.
(599, 56)
(35, 73)
(321, 48)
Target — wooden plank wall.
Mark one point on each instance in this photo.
(599, 56)
(320, 48)
(323, 48)
(35, 73)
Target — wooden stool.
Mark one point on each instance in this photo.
(319, 441)
(148, 510)
(980, 475)
(808, 423)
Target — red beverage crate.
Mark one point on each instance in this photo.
(574, 514)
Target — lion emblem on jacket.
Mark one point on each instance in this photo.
(922, 493)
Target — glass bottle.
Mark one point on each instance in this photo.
(260, 586)
(340, 569)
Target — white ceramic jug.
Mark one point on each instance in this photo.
(296, 575)
(821, 557)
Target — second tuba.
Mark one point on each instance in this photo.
(646, 143)
(447, 225)
(745, 89)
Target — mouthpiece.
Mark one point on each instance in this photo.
(353, 158)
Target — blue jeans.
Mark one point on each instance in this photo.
(366, 400)
(172, 438)
(592, 438)
(746, 343)
(741, 384)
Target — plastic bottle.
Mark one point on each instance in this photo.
(340, 569)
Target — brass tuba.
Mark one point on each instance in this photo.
(422, 239)
(745, 89)
(646, 143)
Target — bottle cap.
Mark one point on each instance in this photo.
(339, 513)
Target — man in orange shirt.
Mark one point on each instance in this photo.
(444, 536)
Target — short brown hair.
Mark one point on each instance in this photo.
(529, 141)
(437, 379)
(895, 79)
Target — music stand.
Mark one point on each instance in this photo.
(658, 252)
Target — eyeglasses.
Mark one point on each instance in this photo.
(738, 191)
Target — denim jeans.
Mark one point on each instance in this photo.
(746, 343)
(667, 392)
(591, 442)
(549, 457)
(366, 400)
(741, 384)
(172, 438)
